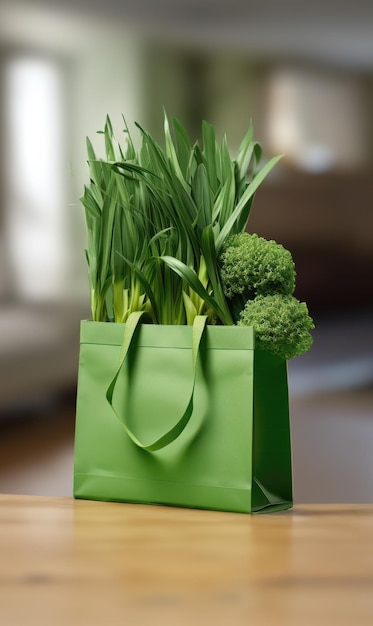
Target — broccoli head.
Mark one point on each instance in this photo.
(251, 265)
(281, 324)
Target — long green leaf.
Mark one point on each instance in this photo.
(146, 287)
(245, 198)
(183, 147)
(209, 153)
(192, 280)
(202, 196)
(171, 152)
(211, 261)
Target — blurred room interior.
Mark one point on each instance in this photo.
(304, 75)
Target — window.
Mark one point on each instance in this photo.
(34, 174)
(317, 118)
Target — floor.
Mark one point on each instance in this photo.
(331, 399)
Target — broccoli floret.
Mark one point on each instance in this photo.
(251, 266)
(281, 324)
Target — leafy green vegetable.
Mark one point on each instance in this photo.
(158, 218)
(251, 266)
(281, 324)
(166, 235)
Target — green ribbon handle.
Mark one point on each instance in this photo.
(174, 432)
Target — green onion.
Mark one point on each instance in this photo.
(157, 220)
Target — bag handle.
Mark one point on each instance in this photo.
(174, 432)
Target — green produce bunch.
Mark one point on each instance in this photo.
(258, 278)
(166, 234)
(158, 217)
(270, 268)
(281, 324)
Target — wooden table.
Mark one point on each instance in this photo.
(93, 563)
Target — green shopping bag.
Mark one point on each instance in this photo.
(183, 416)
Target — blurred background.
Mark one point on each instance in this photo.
(303, 72)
